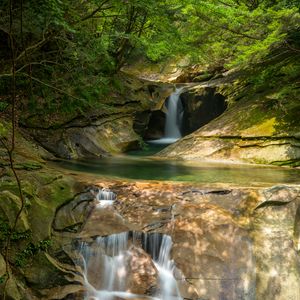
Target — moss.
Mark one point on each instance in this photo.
(265, 128)
(48, 199)
(290, 163)
(29, 166)
(9, 207)
(23, 257)
(43, 274)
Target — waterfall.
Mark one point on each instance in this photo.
(108, 260)
(105, 197)
(160, 248)
(173, 121)
(174, 116)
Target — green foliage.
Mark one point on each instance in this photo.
(3, 278)
(5, 231)
(74, 48)
(23, 257)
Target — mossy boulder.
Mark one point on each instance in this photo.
(35, 270)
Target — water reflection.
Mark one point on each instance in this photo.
(142, 168)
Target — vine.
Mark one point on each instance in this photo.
(10, 148)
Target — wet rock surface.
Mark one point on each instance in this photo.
(228, 242)
(226, 245)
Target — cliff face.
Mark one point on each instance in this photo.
(236, 123)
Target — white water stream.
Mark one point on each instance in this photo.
(106, 266)
(105, 197)
(173, 119)
(108, 262)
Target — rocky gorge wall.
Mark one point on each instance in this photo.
(113, 128)
(261, 128)
(223, 120)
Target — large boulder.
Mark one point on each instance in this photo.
(109, 135)
(275, 226)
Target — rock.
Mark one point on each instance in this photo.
(104, 221)
(12, 291)
(142, 274)
(137, 275)
(111, 129)
(251, 130)
(48, 198)
(141, 121)
(278, 195)
(156, 126)
(226, 245)
(54, 280)
(200, 107)
(214, 254)
(10, 205)
(70, 216)
(97, 139)
(43, 274)
(275, 246)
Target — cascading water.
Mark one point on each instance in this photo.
(105, 197)
(174, 116)
(108, 260)
(164, 265)
(173, 122)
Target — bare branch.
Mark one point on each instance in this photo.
(291, 47)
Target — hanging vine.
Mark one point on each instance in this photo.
(9, 145)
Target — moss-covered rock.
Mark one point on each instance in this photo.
(12, 291)
(34, 274)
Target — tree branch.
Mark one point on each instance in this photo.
(99, 8)
(10, 150)
(225, 27)
(291, 47)
(34, 47)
